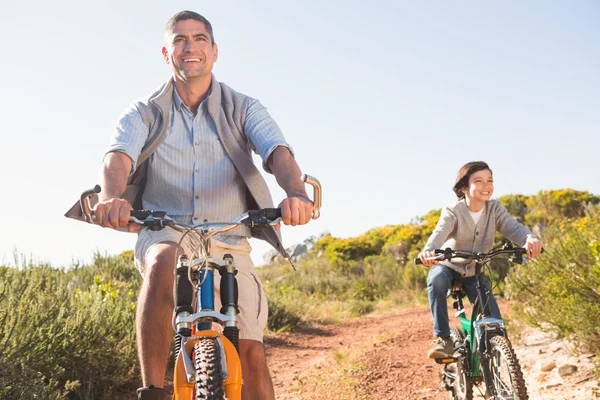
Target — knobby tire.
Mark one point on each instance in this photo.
(209, 375)
(513, 381)
(463, 386)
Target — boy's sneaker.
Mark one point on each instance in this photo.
(151, 393)
(441, 348)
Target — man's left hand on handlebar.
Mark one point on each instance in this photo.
(533, 246)
(295, 210)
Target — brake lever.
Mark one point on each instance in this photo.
(275, 222)
(164, 221)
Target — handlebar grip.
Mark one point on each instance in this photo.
(263, 216)
(272, 213)
(446, 252)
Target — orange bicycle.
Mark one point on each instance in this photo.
(207, 362)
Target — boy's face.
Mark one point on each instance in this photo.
(481, 186)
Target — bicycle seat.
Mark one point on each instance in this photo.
(456, 290)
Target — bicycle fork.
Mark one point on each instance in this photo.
(188, 334)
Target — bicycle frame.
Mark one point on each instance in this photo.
(478, 329)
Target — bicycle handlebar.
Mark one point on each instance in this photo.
(449, 254)
(252, 218)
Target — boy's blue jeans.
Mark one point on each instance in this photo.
(439, 281)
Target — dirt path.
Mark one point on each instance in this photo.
(395, 366)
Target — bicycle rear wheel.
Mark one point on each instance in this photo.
(209, 375)
(507, 377)
(462, 388)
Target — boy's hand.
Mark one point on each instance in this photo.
(426, 258)
(533, 246)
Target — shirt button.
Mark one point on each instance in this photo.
(476, 233)
(195, 218)
(197, 144)
(197, 170)
(197, 197)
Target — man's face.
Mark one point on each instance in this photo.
(189, 51)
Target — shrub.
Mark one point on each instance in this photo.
(559, 290)
(65, 334)
(281, 317)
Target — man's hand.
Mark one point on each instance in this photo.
(296, 211)
(114, 213)
(533, 246)
(426, 258)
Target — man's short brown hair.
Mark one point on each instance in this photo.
(183, 15)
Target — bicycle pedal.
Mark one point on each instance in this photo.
(446, 360)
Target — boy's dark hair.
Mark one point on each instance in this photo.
(183, 15)
(464, 173)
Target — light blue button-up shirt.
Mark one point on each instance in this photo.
(190, 175)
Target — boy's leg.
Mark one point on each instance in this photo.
(439, 280)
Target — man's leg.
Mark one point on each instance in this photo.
(252, 321)
(257, 380)
(154, 311)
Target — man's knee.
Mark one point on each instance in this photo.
(160, 260)
(160, 267)
(252, 353)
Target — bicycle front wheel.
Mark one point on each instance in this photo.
(507, 377)
(462, 386)
(209, 374)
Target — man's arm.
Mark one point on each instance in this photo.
(113, 176)
(112, 211)
(297, 208)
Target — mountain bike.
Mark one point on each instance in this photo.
(207, 364)
(482, 351)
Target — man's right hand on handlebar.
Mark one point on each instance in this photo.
(296, 210)
(429, 258)
(114, 213)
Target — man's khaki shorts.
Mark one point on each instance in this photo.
(252, 301)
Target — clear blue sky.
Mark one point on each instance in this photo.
(382, 103)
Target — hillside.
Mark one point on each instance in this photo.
(70, 333)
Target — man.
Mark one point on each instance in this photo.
(199, 133)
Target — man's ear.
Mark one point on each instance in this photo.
(165, 54)
(216, 52)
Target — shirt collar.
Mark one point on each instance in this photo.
(178, 102)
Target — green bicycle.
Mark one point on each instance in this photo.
(482, 350)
